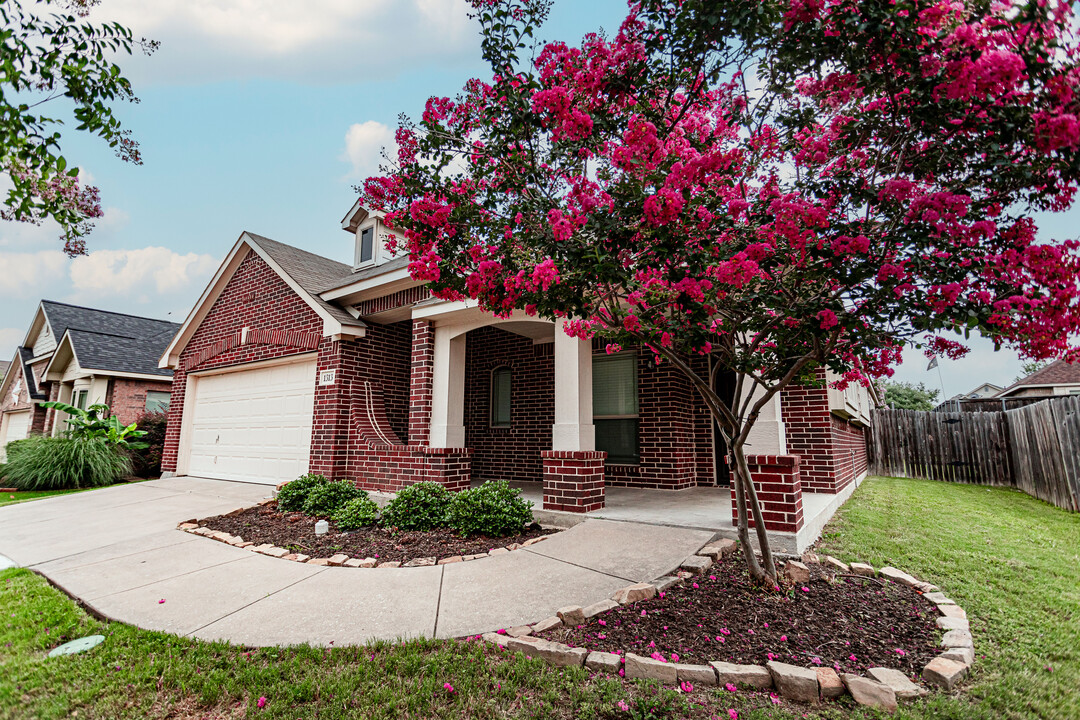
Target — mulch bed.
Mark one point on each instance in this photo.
(849, 623)
(296, 532)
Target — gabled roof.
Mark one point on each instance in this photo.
(26, 355)
(306, 273)
(366, 273)
(4, 365)
(117, 353)
(63, 317)
(1058, 372)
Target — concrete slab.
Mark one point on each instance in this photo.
(518, 588)
(629, 551)
(51, 508)
(250, 493)
(197, 599)
(128, 572)
(349, 606)
(7, 563)
(140, 544)
(704, 508)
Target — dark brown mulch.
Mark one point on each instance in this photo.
(850, 624)
(296, 532)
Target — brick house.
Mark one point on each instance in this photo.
(1056, 379)
(83, 356)
(292, 362)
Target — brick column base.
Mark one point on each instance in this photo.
(388, 468)
(573, 480)
(779, 491)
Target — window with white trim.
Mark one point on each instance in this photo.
(500, 397)
(80, 399)
(157, 401)
(615, 407)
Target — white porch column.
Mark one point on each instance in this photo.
(573, 428)
(768, 436)
(448, 390)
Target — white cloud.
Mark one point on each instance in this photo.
(320, 40)
(146, 271)
(31, 273)
(364, 143)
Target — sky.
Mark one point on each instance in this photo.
(261, 115)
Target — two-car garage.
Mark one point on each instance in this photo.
(251, 425)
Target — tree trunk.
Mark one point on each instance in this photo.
(759, 522)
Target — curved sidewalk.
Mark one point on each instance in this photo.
(118, 550)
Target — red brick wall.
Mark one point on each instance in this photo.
(421, 377)
(127, 398)
(849, 452)
(573, 480)
(254, 297)
(511, 453)
(808, 426)
(776, 480)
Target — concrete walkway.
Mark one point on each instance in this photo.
(117, 549)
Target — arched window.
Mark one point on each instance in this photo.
(500, 397)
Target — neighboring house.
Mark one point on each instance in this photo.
(292, 362)
(1057, 378)
(83, 356)
(984, 391)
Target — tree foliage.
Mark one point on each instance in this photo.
(48, 58)
(784, 187)
(910, 396)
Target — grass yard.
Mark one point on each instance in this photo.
(1011, 561)
(24, 495)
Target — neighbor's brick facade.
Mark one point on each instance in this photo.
(776, 481)
(126, 398)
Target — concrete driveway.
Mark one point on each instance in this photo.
(118, 550)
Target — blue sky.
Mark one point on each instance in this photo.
(261, 116)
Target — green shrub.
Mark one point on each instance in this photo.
(357, 513)
(147, 460)
(292, 496)
(494, 509)
(47, 463)
(328, 498)
(421, 506)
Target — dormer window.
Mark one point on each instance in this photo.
(366, 251)
(372, 237)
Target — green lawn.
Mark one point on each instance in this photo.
(24, 495)
(1009, 560)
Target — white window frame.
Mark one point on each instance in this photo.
(372, 226)
(631, 416)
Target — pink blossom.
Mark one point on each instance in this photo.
(261, 702)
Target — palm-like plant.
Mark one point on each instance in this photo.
(97, 422)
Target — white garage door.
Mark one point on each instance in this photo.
(253, 425)
(16, 427)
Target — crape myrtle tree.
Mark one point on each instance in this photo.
(783, 187)
(51, 56)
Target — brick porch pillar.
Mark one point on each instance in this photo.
(779, 490)
(573, 480)
(421, 375)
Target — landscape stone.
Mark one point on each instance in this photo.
(319, 561)
(273, 551)
(794, 682)
(649, 669)
(599, 607)
(696, 564)
(810, 558)
(684, 575)
(188, 526)
(727, 546)
(663, 583)
(368, 562)
(939, 598)
(474, 557)
(389, 564)
(870, 692)
(420, 562)
(519, 631)
(829, 682)
(863, 569)
(944, 673)
(755, 676)
(554, 653)
(633, 593)
(957, 638)
(571, 615)
(604, 662)
(835, 564)
(513, 546)
(338, 560)
(353, 562)
(547, 624)
(962, 655)
(498, 551)
(451, 559)
(796, 572)
(952, 623)
(533, 541)
(245, 544)
(899, 682)
(695, 674)
(925, 587)
(496, 639)
(954, 611)
(899, 576)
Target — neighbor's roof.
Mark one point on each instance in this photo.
(313, 273)
(112, 342)
(26, 355)
(4, 365)
(1058, 372)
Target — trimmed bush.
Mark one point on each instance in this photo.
(494, 509)
(147, 461)
(292, 496)
(48, 463)
(421, 506)
(357, 513)
(328, 498)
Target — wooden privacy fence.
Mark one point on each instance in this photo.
(1034, 448)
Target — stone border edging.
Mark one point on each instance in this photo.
(882, 689)
(341, 559)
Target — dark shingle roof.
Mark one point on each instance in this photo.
(4, 365)
(26, 355)
(1058, 372)
(113, 342)
(368, 272)
(310, 271)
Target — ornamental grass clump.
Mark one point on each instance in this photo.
(360, 512)
(328, 498)
(48, 463)
(494, 509)
(422, 506)
(292, 496)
